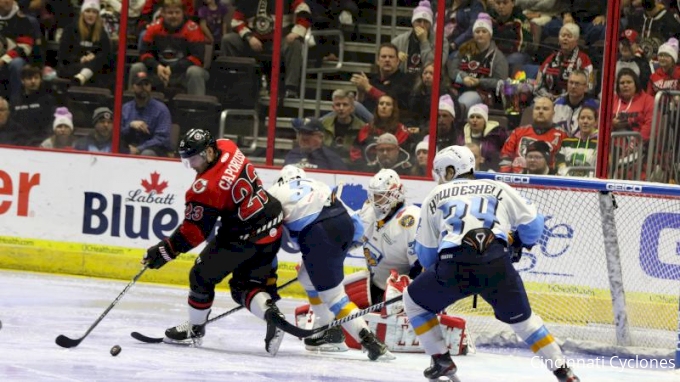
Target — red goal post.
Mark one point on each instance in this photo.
(604, 275)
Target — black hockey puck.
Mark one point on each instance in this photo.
(115, 350)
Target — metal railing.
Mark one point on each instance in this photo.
(320, 70)
(663, 155)
(240, 112)
(626, 155)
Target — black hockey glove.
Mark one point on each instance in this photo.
(516, 248)
(159, 254)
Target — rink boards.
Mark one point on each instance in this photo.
(94, 215)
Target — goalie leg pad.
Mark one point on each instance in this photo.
(358, 288)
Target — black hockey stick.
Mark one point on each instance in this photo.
(154, 340)
(289, 328)
(66, 342)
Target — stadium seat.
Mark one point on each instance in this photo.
(191, 111)
(235, 82)
(82, 100)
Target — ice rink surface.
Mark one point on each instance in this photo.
(36, 308)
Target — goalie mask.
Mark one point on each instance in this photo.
(459, 157)
(385, 192)
(290, 172)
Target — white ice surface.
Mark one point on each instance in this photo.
(36, 308)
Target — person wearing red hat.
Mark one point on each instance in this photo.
(633, 57)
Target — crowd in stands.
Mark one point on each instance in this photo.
(502, 59)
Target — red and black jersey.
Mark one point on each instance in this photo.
(231, 190)
(178, 47)
(296, 13)
(662, 80)
(19, 30)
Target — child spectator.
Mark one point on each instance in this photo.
(213, 21)
(63, 131)
(34, 107)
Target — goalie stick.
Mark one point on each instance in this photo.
(289, 328)
(66, 342)
(155, 340)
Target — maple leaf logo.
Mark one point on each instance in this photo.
(154, 185)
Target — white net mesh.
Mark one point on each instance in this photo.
(567, 279)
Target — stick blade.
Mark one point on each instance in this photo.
(287, 327)
(66, 342)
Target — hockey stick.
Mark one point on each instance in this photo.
(66, 342)
(281, 323)
(143, 338)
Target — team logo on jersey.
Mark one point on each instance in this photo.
(199, 186)
(407, 221)
(370, 260)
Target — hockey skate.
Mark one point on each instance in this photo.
(376, 349)
(185, 334)
(441, 366)
(274, 336)
(564, 374)
(332, 340)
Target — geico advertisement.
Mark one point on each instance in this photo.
(133, 203)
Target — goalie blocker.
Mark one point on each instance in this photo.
(391, 325)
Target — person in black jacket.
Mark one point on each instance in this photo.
(34, 107)
(311, 152)
(85, 48)
(11, 133)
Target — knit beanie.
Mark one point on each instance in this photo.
(479, 109)
(423, 11)
(446, 104)
(90, 4)
(670, 48)
(423, 145)
(483, 21)
(573, 29)
(541, 147)
(101, 113)
(62, 117)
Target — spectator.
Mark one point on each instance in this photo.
(632, 56)
(511, 33)
(343, 126)
(667, 76)
(633, 107)
(149, 11)
(476, 73)
(420, 101)
(99, 140)
(489, 135)
(18, 31)
(110, 16)
(85, 48)
(538, 159)
(311, 151)
(249, 38)
(589, 15)
(420, 166)
(479, 159)
(554, 73)
(539, 12)
(145, 122)
(385, 153)
(213, 21)
(389, 80)
(416, 47)
(63, 131)
(567, 107)
(448, 130)
(460, 19)
(11, 133)
(542, 129)
(581, 150)
(34, 107)
(173, 51)
(655, 24)
(385, 120)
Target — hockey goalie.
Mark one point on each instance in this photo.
(390, 229)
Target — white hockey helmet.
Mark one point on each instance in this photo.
(385, 192)
(459, 157)
(290, 172)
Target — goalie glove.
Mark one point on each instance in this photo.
(394, 286)
(158, 255)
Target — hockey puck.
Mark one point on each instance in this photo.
(115, 350)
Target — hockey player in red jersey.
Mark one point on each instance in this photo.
(226, 187)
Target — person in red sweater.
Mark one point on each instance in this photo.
(667, 76)
(514, 150)
(633, 108)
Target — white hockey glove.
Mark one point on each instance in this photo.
(394, 286)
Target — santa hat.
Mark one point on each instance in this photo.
(422, 12)
(62, 117)
(446, 104)
(483, 21)
(479, 109)
(90, 4)
(670, 48)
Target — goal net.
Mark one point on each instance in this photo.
(604, 275)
